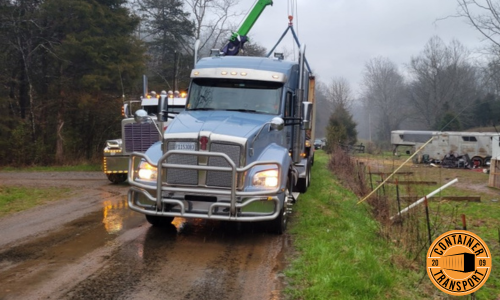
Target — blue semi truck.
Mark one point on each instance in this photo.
(241, 149)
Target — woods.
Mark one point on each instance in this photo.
(67, 65)
(62, 67)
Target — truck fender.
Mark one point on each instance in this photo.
(274, 152)
(154, 152)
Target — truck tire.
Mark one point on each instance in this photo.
(158, 221)
(279, 224)
(117, 178)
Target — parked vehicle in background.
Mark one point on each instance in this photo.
(138, 137)
(319, 144)
(477, 146)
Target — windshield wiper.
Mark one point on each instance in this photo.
(203, 108)
(241, 109)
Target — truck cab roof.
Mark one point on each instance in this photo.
(247, 62)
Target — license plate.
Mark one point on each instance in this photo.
(185, 146)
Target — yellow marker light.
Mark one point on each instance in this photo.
(223, 73)
(183, 94)
(308, 143)
(196, 73)
(234, 73)
(243, 73)
(276, 76)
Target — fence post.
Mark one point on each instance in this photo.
(428, 220)
(399, 203)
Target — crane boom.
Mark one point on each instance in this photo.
(238, 38)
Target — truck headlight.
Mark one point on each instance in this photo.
(146, 171)
(267, 178)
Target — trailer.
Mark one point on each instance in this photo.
(475, 145)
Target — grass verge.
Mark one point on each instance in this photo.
(15, 199)
(483, 218)
(340, 254)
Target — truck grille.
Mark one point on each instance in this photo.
(180, 176)
(213, 178)
(217, 178)
(139, 137)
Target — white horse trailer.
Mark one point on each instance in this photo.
(477, 145)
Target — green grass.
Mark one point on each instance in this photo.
(15, 199)
(340, 254)
(483, 218)
(77, 168)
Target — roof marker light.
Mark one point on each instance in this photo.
(243, 73)
(223, 73)
(234, 73)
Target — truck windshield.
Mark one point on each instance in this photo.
(235, 95)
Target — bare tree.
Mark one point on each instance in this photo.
(443, 81)
(323, 109)
(339, 93)
(213, 22)
(384, 96)
(484, 15)
(491, 75)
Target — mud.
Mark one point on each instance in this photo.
(91, 246)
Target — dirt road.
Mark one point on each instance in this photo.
(91, 246)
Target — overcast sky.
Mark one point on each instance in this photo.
(342, 35)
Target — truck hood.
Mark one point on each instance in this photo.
(240, 124)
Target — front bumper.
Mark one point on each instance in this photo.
(231, 204)
(115, 164)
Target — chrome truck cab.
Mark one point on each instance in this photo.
(232, 154)
(137, 137)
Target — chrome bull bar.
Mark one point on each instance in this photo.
(163, 188)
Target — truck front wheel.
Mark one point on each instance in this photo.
(279, 224)
(158, 221)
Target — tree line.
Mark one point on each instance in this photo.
(442, 88)
(66, 66)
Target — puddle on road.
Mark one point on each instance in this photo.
(116, 216)
(33, 262)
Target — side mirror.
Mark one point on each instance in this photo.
(163, 108)
(277, 124)
(306, 115)
(141, 116)
(126, 110)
